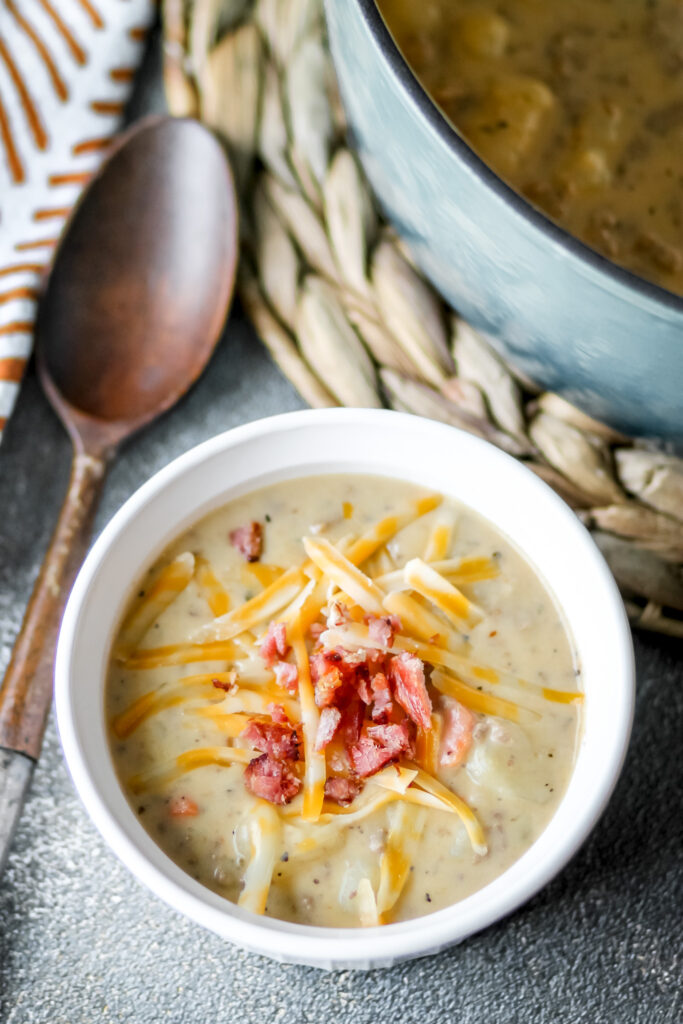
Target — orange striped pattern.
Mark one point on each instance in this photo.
(72, 178)
(18, 293)
(91, 145)
(77, 51)
(52, 52)
(12, 370)
(57, 211)
(30, 110)
(39, 243)
(57, 81)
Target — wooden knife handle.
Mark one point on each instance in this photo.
(26, 691)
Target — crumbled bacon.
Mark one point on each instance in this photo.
(326, 687)
(274, 644)
(377, 746)
(382, 630)
(183, 807)
(457, 735)
(342, 790)
(407, 674)
(228, 685)
(316, 629)
(271, 780)
(278, 714)
(352, 720)
(382, 704)
(363, 688)
(327, 726)
(287, 676)
(279, 741)
(248, 540)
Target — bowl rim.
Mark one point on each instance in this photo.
(315, 945)
(448, 133)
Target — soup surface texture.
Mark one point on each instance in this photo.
(578, 104)
(343, 701)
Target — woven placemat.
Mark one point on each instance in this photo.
(347, 317)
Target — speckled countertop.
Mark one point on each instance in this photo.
(82, 942)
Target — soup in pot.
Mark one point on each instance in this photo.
(343, 701)
(578, 104)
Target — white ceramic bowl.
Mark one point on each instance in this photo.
(352, 441)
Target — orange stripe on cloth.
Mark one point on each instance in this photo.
(18, 293)
(32, 116)
(91, 145)
(122, 74)
(107, 106)
(17, 327)
(93, 14)
(77, 51)
(16, 168)
(22, 268)
(40, 243)
(12, 369)
(70, 179)
(57, 211)
(58, 82)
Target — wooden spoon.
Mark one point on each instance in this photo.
(133, 308)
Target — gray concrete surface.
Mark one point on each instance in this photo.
(82, 942)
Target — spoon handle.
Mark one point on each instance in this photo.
(26, 690)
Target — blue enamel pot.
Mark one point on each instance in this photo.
(576, 323)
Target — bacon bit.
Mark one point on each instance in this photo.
(327, 726)
(457, 735)
(382, 702)
(271, 780)
(272, 738)
(378, 746)
(316, 629)
(183, 807)
(364, 689)
(287, 676)
(274, 644)
(352, 721)
(494, 632)
(278, 714)
(382, 630)
(327, 686)
(228, 685)
(248, 540)
(342, 791)
(407, 674)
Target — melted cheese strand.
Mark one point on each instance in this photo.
(429, 743)
(418, 620)
(225, 757)
(439, 591)
(166, 696)
(179, 654)
(465, 813)
(170, 582)
(459, 570)
(344, 574)
(265, 836)
(264, 606)
(388, 527)
(405, 832)
(315, 773)
(441, 536)
(477, 700)
(214, 592)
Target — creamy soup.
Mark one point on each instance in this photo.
(578, 104)
(343, 701)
